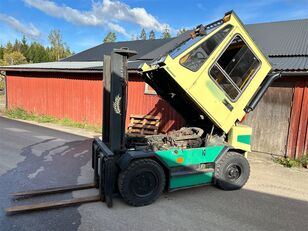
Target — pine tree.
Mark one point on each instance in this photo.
(166, 33)
(143, 35)
(24, 46)
(181, 31)
(37, 53)
(9, 47)
(17, 46)
(110, 37)
(152, 35)
(1, 52)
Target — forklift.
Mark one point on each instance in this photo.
(213, 76)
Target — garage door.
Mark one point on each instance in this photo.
(270, 120)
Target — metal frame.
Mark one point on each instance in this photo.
(215, 63)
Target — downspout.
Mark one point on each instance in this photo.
(265, 85)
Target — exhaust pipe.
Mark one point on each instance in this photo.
(263, 88)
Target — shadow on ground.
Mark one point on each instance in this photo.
(58, 164)
(204, 208)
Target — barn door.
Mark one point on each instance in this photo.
(270, 120)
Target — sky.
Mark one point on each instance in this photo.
(84, 23)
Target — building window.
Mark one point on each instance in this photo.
(235, 68)
(197, 57)
(148, 90)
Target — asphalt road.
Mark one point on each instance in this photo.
(31, 157)
(34, 157)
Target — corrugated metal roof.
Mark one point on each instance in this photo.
(60, 65)
(289, 63)
(97, 53)
(162, 50)
(285, 43)
(287, 38)
(68, 66)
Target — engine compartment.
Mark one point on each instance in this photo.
(186, 137)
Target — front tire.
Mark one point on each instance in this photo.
(142, 182)
(231, 171)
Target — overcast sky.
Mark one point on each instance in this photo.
(84, 23)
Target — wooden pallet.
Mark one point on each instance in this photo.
(143, 125)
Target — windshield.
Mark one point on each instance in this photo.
(197, 57)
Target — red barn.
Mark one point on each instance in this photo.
(72, 88)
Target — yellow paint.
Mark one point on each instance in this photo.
(204, 91)
(235, 132)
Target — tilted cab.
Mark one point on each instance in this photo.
(211, 76)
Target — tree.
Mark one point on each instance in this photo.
(2, 62)
(16, 53)
(24, 46)
(110, 37)
(1, 52)
(181, 31)
(9, 47)
(166, 33)
(37, 53)
(143, 35)
(58, 48)
(14, 58)
(17, 45)
(152, 35)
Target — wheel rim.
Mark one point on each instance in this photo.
(234, 172)
(144, 183)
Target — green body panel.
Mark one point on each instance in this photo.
(191, 180)
(190, 156)
(244, 139)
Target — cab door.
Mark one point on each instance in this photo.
(225, 76)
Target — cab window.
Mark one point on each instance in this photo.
(235, 68)
(196, 58)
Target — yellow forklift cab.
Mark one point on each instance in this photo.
(218, 68)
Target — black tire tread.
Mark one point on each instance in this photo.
(220, 165)
(121, 181)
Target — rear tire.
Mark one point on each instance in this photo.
(231, 171)
(142, 182)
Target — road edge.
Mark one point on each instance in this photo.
(74, 131)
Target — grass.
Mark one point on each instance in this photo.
(289, 163)
(20, 113)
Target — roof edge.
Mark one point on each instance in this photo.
(58, 70)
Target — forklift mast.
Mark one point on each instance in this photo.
(115, 98)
